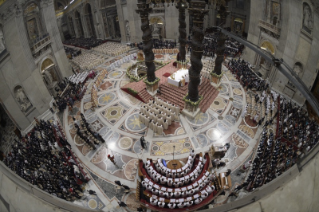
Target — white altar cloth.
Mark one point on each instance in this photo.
(178, 76)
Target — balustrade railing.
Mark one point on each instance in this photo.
(270, 28)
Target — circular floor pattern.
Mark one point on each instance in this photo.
(115, 74)
(223, 89)
(87, 105)
(218, 104)
(130, 169)
(196, 133)
(134, 124)
(200, 119)
(78, 141)
(99, 156)
(92, 204)
(237, 91)
(125, 143)
(106, 98)
(113, 113)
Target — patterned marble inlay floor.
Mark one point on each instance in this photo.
(117, 121)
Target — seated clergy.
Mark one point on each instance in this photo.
(153, 201)
(161, 204)
(180, 205)
(190, 203)
(204, 194)
(155, 191)
(198, 200)
(171, 205)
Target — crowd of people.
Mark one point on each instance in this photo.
(67, 97)
(159, 44)
(232, 47)
(112, 48)
(43, 157)
(86, 43)
(246, 76)
(71, 52)
(179, 188)
(288, 133)
(88, 60)
(86, 133)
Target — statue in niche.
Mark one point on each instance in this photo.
(23, 100)
(298, 68)
(156, 29)
(307, 18)
(2, 46)
(128, 31)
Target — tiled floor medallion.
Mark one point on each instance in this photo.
(134, 124)
(125, 143)
(106, 98)
(113, 113)
(161, 148)
(115, 74)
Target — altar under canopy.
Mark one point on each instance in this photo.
(179, 78)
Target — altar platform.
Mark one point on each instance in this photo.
(179, 78)
(172, 93)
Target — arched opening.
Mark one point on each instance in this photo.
(238, 26)
(264, 66)
(33, 22)
(72, 31)
(158, 28)
(298, 68)
(89, 20)
(79, 24)
(50, 75)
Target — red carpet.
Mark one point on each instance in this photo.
(166, 74)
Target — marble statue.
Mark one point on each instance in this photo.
(23, 100)
(128, 31)
(156, 29)
(307, 17)
(2, 47)
(297, 69)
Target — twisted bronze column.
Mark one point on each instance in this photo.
(197, 11)
(181, 6)
(220, 54)
(221, 42)
(144, 10)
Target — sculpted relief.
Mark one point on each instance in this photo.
(307, 23)
(22, 99)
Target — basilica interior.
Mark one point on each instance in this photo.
(159, 105)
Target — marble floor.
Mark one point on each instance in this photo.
(116, 119)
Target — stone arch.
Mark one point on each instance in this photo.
(298, 68)
(88, 14)
(267, 45)
(50, 74)
(33, 22)
(159, 23)
(265, 67)
(307, 17)
(238, 27)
